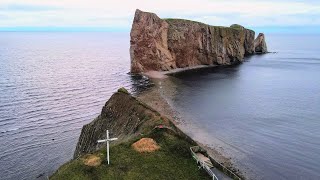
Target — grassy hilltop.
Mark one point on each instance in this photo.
(170, 160)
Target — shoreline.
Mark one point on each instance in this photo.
(164, 74)
(158, 97)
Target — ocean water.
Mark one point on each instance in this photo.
(264, 113)
(51, 84)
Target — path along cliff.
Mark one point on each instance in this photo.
(164, 44)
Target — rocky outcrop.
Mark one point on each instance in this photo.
(149, 45)
(124, 116)
(260, 44)
(165, 44)
(192, 43)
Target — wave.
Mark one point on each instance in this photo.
(9, 130)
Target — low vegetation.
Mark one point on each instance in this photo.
(236, 26)
(172, 160)
(123, 90)
(175, 21)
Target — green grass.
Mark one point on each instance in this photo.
(172, 161)
(182, 20)
(236, 26)
(176, 20)
(123, 90)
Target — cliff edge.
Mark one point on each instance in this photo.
(125, 117)
(150, 146)
(163, 44)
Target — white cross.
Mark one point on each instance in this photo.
(107, 140)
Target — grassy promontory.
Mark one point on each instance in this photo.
(172, 160)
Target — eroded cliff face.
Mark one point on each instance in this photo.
(165, 44)
(260, 44)
(148, 44)
(124, 116)
(192, 43)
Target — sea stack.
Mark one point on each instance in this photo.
(260, 44)
(164, 44)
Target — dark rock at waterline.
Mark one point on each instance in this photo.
(40, 175)
(260, 44)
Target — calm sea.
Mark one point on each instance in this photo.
(265, 112)
(51, 84)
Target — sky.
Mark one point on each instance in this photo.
(106, 15)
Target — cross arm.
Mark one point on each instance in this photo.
(101, 141)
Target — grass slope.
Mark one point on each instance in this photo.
(172, 161)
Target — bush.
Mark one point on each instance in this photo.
(123, 90)
(237, 26)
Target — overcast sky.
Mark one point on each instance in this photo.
(117, 15)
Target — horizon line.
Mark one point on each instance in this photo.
(266, 29)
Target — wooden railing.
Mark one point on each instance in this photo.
(214, 163)
(203, 165)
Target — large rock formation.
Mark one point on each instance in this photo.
(149, 43)
(260, 44)
(124, 116)
(165, 44)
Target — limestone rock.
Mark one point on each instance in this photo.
(260, 44)
(165, 44)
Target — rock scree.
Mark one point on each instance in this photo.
(164, 44)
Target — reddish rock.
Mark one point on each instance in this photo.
(165, 44)
(148, 44)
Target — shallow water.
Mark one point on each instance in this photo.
(51, 84)
(265, 111)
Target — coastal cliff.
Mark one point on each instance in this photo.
(150, 146)
(164, 44)
(124, 116)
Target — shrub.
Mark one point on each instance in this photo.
(123, 90)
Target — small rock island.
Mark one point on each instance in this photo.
(165, 44)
